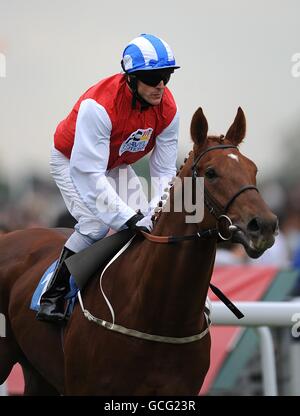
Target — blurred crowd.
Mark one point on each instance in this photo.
(35, 202)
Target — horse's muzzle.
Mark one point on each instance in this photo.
(257, 236)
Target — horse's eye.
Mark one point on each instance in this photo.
(211, 173)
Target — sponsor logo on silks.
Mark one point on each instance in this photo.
(137, 141)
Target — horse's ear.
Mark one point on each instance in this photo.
(199, 127)
(237, 130)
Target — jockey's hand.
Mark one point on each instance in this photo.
(145, 224)
(140, 223)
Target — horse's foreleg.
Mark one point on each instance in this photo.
(35, 384)
(7, 358)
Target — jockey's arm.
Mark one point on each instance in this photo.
(163, 160)
(88, 166)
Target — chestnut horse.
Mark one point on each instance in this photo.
(157, 289)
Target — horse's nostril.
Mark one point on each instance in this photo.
(253, 225)
(259, 225)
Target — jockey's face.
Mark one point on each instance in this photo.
(153, 95)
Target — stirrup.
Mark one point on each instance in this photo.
(55, 318)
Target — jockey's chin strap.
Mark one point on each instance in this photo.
(132, 83)
(218, 212)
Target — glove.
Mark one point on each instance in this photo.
(140, 223)
(145, 224)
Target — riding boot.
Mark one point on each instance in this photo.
(52, 303)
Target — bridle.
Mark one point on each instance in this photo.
(214, 207)
(211, 203)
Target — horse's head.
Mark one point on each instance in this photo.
(230, 185)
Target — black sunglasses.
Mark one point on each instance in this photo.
(153, 78)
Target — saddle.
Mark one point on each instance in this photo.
(87, 262)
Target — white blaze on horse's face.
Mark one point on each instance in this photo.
(234, 157)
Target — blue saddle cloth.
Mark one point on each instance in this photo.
(43, 284)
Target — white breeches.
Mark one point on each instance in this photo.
(89, 228)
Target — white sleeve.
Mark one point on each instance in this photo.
(88, 166)
(163, 160)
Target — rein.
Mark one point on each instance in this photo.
(213, 232)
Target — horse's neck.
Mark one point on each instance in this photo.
(174, 289)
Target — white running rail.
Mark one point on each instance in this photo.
(262, 316)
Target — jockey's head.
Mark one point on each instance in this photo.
(148, 62)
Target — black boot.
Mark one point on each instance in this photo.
(52, 303)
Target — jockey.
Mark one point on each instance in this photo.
(113, 124)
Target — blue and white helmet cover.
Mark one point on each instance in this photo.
(147, 52)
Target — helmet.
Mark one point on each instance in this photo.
(147, 52)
